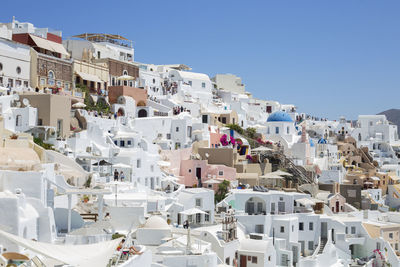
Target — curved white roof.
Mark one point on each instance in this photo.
(156, 222)
(193, 75)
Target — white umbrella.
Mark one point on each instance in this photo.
(271, 175)
(163, 163)
(122, 166)
(212, 181)
(192, 211)
(125, 78)
(282, 173)
(261, 149)
(79, 105)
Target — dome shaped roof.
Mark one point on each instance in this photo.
(156, 222)
(279, 116)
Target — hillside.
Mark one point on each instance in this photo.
(393, 115)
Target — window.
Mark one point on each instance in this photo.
(168, 136)
(292, 228)
(198, 202)
(26, 84)
(190, 83)
(154, 80)
(221, 173)
(138, 163)
(310, 245)
(116, 142)
(311, 226)
(129, 142)
(146, 182)
(254, 260)
(396, 246)
(18, 70)
(287, 130)
(347, 230)
(353, 230)
(277, 130)
(152, 168)
(122, 143)
(18, 120)
(177, 129)
(391, 235)
(223, 120)
(301, 226)
(59, 127)
(269, 258)
(190, 170)
(50, 78)
(40, 122)
(207, 216)
(203, 85)
(1, 66)
(282, 229)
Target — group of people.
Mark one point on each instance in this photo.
(103, 115)
(119, 176)
(178, 110)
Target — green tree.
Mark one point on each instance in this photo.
(223, 189)
(236, 128)
(251, 132)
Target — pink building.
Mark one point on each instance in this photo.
(215, 136)
(195, 172)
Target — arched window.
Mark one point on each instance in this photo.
(287, 130)
(125, 72)
(50, 78)
(18, 70)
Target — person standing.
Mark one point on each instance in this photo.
(116, 175)
(122, 176)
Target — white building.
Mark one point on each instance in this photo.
(229, 82)
(15, 64)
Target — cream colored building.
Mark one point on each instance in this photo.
(93, 75)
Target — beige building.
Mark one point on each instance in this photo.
(53, 110)
(390, 233)
(93, 75)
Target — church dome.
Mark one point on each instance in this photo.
(156, 222)
(279, 116)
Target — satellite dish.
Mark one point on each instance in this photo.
(198, 156)
(207, 155)
(25, 101)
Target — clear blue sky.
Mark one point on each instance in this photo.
(329, 57)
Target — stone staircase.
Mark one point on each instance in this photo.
(322, 246)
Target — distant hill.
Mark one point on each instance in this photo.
(392, 115)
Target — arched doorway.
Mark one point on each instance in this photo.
(142, 113)
(121, 112)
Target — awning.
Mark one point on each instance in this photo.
(77, 255)
(49, 45)
(394, 177)
(89, 77)
(192, 211)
